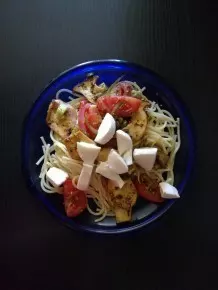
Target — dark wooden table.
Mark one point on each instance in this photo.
(177, 39)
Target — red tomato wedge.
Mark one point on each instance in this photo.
(120, 106)
(81, 115)
(92, 120)
(152, 195)
(75, 200)
(89, 118)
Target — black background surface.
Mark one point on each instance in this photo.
(178, 40)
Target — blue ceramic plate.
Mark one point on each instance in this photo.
(108, 70)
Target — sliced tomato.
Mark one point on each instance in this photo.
(84, 105)
(75, 200)
(69, 189)
(120, 106)
(123, 89)
(92, 120)
(89, 118)
(151, 194)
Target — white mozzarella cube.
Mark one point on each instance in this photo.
(106, 130)
(88, 152)
(56, 176)
(168, 191)
(104, 169)
(116, 162)
(124, 146)
(127, 157)
(145, 157)
(85, 176)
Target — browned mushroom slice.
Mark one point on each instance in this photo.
(89, 89)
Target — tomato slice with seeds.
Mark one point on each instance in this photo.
(92, 120)
(89, 118)
(151, 194)
(75, 200)
(120, 106)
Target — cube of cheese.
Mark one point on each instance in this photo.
(88, 152)
(106, 130)
(85, 176)
(145, 157)
(116, 162)
(56, 176)
(168, 191)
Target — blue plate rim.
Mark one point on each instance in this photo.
(186, 120)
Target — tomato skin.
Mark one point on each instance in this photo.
(75, 200)
(93, 116)
(92, 120)
(152, 195)
(81, 115)
(89, 118)
(120, 106)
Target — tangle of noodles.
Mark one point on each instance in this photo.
(58, 156)
(163, 131)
